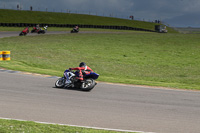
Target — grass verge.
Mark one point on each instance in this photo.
(14, 126)
(168, 60)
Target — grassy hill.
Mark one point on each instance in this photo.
(15, 16)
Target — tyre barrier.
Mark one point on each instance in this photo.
(72, 25)
(5, 55)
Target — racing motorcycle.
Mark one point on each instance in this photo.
(87, 84)
(35, 30)
(43, 31)
(24, 32)
(75, 30)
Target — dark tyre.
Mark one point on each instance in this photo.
(41, 32)
(21, 34)
(87, 85)
(32, 31)
(60, 83)
(74, 31)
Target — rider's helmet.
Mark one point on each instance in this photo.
(82, 64)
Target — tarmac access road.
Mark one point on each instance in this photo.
(16, 33)
(116, 106)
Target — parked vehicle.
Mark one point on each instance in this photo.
(161, 28)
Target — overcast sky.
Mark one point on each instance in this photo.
(178, 13)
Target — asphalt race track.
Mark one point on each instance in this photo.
(34, 98)
(16, 33)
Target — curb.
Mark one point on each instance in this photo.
(27, 73)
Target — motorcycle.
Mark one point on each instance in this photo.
(75, 30)
(24, 32)
(87, 84)
(35, 30)
(43, 31)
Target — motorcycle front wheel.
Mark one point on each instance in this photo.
(60, 83)
(21, 34)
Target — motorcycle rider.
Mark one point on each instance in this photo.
(76, 28)
(37, 27)
(45, 27)
(26, 29)
(82, 70)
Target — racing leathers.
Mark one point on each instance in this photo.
(82, 71)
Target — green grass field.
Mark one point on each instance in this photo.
(13, 126)
(168, 60)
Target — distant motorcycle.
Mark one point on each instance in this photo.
(75, 29)
(87, 84)
(35, 30)
(24, 32)
(43, 31)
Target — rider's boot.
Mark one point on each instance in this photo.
(67, 83)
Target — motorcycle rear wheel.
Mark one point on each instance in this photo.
(88, 85)
(21, 34)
